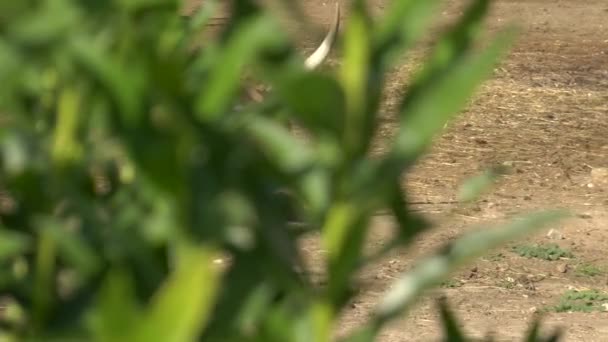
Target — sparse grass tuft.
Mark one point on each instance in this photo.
(581, 301)
(451, 283)
(549, 252)
(588, 270)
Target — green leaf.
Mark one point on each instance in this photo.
(427, 112)
(116, 311)
(343, 237)
(11, 11)
(254, 308)
(45, 269)
(315, 192)
(317, 101)
(241, 50)
(366, 334)
(453, 46)
(279, 146)
(403, 23)
(146, 5)
(16, 156)
(203, 15)
(72, 248)
(181, 308)
(13, 243)
(451, 329)
(534, 334)
(409, 224)
(158, 227)
(125, 84)
(66, 147)
(10, 66)
(474, 187)
(355, 78)
(246, 275)
(47, 24)
(430, 271)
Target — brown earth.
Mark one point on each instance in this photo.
(545, 114)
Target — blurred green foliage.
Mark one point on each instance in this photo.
(125, 169)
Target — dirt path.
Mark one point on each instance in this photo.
(545, 113)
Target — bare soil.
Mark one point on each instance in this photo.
(545, 114)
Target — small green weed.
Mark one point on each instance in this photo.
(588, 270)
(581, 301)
(451, 283)
(495, 257)
(549, 252)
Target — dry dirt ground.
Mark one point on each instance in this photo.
(545, 114)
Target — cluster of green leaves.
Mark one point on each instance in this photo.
(581, 301)
(125, 169)
(550, 251)
(589, 270)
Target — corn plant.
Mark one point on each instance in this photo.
(126, 169)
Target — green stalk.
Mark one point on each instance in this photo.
(43, 285)
(65, 144)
